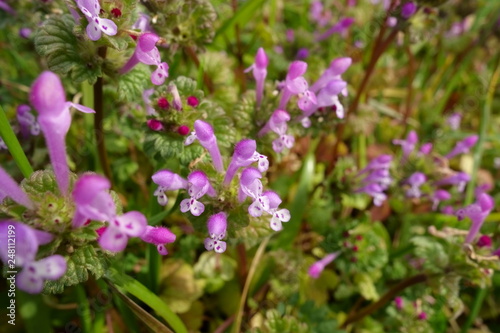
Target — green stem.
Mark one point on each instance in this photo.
(84, 308)
(255, 262)
(478, 302)
(99, 120)
(14, 146)
(483, 128)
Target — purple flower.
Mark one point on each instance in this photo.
(295, 83)
(94, 202)
(328, 96)
(318, 267)
(198, 186)
(25, 33)
(259, 71)
(278, 215)
(463, 146)
(216, 225)
(375, 191)
(143, 23)
(477, 213)
(398, 302)
(32, 278)
(7, 8)
(380, 162)
(460, 179)
(484, 241)
(454, 120)
(248, 179)
(278, 124)
(147, 53)
(302, 53)
(115, 237)
(318, 14)
(407, 145)
(337, 67)
(391, 21)
(408, 9)
(260, 202)
(92, 199)
(11, 189)
(377, 179)
(245, 153)
(422, 316)
(426, 148)
(340, 28)
(167, 181)
(438, 196)
(204, 132)
(27, 122)
(415, 181)
(97, 25)
(158, 236)
(48, 98)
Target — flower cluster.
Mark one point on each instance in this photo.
(376, 179)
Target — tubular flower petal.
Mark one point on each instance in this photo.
(318, 267)
(97, 25)
(216, 225)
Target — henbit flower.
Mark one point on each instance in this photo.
(198, 186)
(97, 25)
(448, 210)
(328, 96)
(295, 83)
(302, 54)
(259, 71)
(48, 98)
(438, 196)
(11, 189)
(375, 191)
(27, 241)
(115, 237)
(318, 14)
(260, 202)
(167, 181)
(318, 267)
(92, 200)
(408, 9)
(278, 216)
(426, 148)
(477, 213)
(460, 179)
(27, 122)
(216, 225)
(7, 8)
(276, 123)
(337, 67)
(340, 28)
(380, 162)
(248, 177)
(381, 177)
(32, 278)
(158, 236)
(143, 23)
(415, 181)
(484, 241)
(463, 146)
(245, 153)
(147, 53)
(407, 145)
(204, 132)
(454, 120)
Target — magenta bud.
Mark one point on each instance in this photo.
(163, 103)
(170, 180)
(261, 60)
(470, 141)
(340, 65)
(398, 302)
(193, 101)
(296, 69)
(408, 9)
(155, 125)
(426, 148)
(422, 316)
(245, 149)
(204, 131)
(484, 241)
(183, 130)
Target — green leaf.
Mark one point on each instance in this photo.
(366, 286)
(84, 260)
(432, 251)
(131, 85)
(215, 269)
(10, 139)
(161, 146)
(138, 290)
(243, 15)
(67, 55)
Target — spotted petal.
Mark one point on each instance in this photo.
(113, 239)
(93, 30)
(132, 223)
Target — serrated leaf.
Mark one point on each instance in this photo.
(432, 251)
(131, 85)
(65, 54)
(242, 113)
(366, 286)
(161, 146)
(84, 260)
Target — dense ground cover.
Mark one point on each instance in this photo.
(249, 166)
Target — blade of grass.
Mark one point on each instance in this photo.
(34, 312)
(14, 146)
(84, 305)
(138, 290)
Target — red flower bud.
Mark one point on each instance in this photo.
(183, 130)
(193, 101)
(163, 103)
(116, 12)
